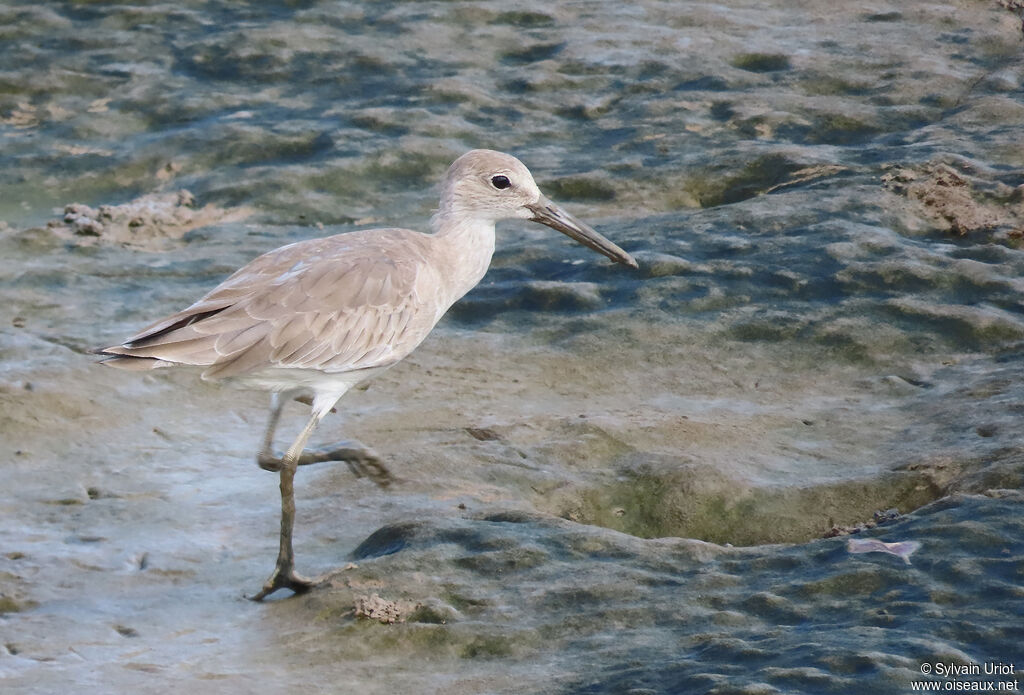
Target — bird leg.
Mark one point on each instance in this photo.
(284, 576)
(267, 450)
(362, 461)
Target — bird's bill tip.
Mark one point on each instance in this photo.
(628, 261)
(551, 215)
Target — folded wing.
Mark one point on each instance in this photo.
(337, 304)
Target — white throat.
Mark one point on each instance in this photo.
(467, 243)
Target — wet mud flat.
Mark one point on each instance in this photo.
(607, 481)
(498, 561)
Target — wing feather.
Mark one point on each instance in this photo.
(229, 343)
(352, 301)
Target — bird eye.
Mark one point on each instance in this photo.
(500, 182)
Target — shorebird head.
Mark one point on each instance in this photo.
(489, 185)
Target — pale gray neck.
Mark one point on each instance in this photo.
(464, 245)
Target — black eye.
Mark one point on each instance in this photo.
(500, 182)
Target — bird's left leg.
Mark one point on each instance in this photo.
(284, 576)
(361, 460)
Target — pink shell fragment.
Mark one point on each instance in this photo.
(903, 549)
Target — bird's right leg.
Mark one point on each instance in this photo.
(266, 458)
(361, 460)
(284, 575)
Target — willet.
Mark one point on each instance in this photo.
(315, 318)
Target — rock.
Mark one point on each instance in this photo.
(958, 197)
(152, 222)
(373, 607)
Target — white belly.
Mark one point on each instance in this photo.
(325, 387)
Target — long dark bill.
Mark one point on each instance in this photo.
(546, 212)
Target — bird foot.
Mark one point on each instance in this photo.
(284, 579)
(362, 461)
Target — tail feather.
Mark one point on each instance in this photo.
(134, 364)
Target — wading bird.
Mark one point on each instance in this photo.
(315, 318)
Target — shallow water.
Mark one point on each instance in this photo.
(827, 204)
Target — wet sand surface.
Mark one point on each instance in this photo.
(608, 481)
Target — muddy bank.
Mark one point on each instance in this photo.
(132, 566)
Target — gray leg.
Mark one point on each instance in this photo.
(284, 576)
(267, 450)
(362, 461)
